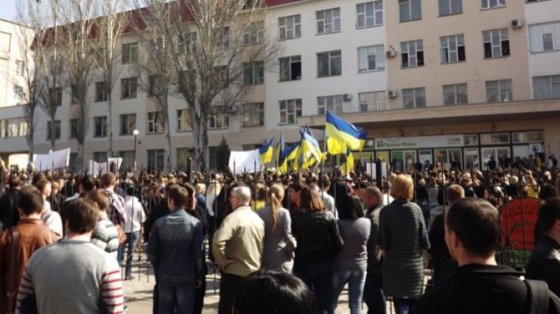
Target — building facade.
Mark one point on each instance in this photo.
(449, 82)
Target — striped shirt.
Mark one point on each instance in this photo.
(71, 276)
(106, 237)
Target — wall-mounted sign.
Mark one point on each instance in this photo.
(419, 142)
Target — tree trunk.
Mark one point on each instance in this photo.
(167, 130)
(110, 120)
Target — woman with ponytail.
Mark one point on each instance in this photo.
(279, 244)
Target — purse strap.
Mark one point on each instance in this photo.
(14, 248)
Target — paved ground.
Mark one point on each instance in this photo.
(138, 294)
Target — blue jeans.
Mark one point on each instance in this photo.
(403, 306)
(319, 278)
(177, 297)
(130, 245)
(356, 280)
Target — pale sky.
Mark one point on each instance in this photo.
(8, 9)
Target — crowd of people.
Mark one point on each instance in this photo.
(283, 243)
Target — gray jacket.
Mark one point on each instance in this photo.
(402, 236)
(279, 243)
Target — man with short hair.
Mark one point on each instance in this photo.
(472, 234)
(72, 275)
(544, 262)
(237, 246)
(19, 243)
(175, 250)
(373, 289)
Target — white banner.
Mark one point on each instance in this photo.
(52, 160)
(245, 161)
(21, 160)
(99, 168)
(372, 170)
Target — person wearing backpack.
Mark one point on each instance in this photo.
(479, 285)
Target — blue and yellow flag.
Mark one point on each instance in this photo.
(342, 135)
(310, 151)
(267, 151)
(289, 153)
(348, 164)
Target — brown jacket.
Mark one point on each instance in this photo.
(33, 235)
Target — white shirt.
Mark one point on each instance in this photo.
(135, 215)
(52, 219)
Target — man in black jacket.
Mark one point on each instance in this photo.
(472, 232)
(8, 210)
(544, 262)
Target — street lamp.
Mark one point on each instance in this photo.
(135, 133)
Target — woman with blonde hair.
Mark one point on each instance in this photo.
(402, 237)
(279, 244)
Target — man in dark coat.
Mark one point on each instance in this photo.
(8, 210)
(544, 262)
(472, 233)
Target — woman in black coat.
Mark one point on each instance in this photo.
(402, 237)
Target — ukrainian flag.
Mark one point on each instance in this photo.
(342, 135)
(267, 151)
(289, 153)
(348, 164)
(310, 152)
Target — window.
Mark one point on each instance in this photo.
(452, 49)
(412, 54)
(289, 111)
(56, 130)
(253, 34)
(450, 7)
(289, 27)
(223, 37)
(328, 21)
(544, 37)
(129, 53)
(487, 4)
(100, 92)
(253, 73)
(187, 43)
(496, 43)
(290, 68)
(155, 85)
(18, 93)
(221, 76)
(253, 114)
(156, 159)
(371, 58)
(100, 156)
(56, 96)
(128, 87)
(410, 10)
(455, 94)
(414, 98)
(20, 67)
(369, 14)
(329, 103)
(184, 120)
(329, 63)
(74, 99)
(13, 127)
(100, 126)
(74, 128)
(372, 101)
(183, 155)
(127, 159)
(498, 91)
(155, 122)
(218, 118)
(128, 123)
(546, 87)
(56, 65)
(5, 41)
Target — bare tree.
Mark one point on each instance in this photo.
(208, 46)
(75, 47)
(110, 27)
(156, 77)
(29, 94)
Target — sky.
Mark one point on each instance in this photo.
(8, 9)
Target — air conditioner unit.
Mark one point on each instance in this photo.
(516, 24)
(232, 109)
(347, 97)
(391, 53)
(391, 93)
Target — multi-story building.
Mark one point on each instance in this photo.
(14, 62)
(450, 82)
